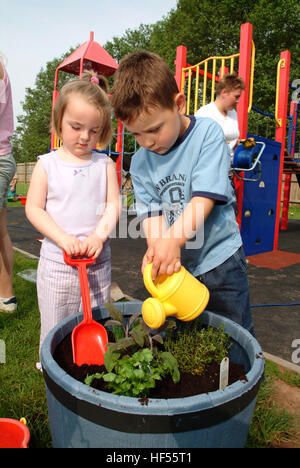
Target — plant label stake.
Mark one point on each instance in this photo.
(224, 373)
(89, 338)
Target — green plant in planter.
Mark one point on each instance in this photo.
(195, 348)
(134, 362)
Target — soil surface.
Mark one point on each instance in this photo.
(188, 385)
(288, 397)
(275, 327)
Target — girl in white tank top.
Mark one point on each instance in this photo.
(73, 200)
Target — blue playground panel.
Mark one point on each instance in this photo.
(260, 201)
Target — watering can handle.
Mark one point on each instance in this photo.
(147, 276)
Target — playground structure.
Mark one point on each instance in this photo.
(258, 182)
(88, 56)
(259, 185)
(91, 56)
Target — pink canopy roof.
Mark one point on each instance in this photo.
(92, 56)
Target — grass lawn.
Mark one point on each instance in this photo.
(272, 425)
(294, 212)
(22, 392)
(14, 203)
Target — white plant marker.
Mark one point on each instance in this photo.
(224, 373)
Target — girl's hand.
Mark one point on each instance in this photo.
(91, 246)
(71, 245)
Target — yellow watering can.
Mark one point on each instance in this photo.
(179, 294)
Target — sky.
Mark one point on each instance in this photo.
(34, 32)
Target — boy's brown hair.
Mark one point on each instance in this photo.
(230, 82)
(95, 94)
(142, 81)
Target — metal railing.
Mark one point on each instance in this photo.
(212, 69)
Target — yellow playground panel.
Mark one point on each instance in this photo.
(260, 191)
(198, 81)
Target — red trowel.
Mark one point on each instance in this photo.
(89, 338)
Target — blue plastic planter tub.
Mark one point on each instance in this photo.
(82, 417)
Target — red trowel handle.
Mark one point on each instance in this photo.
(81, 264)
(76, 261)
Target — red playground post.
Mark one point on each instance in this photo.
(283, 74)
(242, 107)
(288, 177)
(180, 63)
(119, 149)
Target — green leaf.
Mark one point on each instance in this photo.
(114, 312)
(109, 377)
(171, 363)
(145, 327)
(118, 332)
(138, 373)
(145, 355)
(124, 343)
(133, 318)
(113, 322)
(111, 358)
(169, 324)
(89, 379)
(158, 338)
(138, 337)
(175, 374)
(168, 358)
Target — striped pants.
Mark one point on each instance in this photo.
(59, 294)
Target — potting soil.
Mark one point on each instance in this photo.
(188, 385)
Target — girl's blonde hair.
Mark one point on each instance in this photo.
(94, 90)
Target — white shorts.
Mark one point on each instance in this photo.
(59, 294)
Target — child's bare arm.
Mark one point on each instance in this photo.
(40, 219)
(164, 251)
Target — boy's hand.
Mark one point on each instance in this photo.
(91, 246)
(165, 257)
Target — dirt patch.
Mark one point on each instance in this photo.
(288, 397)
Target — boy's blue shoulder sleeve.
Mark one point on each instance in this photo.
(212, 163)
(148, 202)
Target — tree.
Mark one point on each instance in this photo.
(132, 40)
(207, 28)
(210, 28)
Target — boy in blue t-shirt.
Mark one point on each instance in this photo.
(180, 178)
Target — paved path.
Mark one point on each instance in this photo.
(276, 327)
